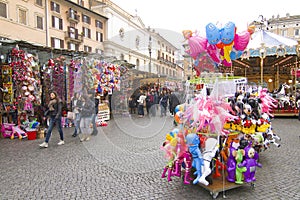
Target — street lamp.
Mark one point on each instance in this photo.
(262, 55)
(150, 51)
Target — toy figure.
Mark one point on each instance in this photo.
(211, 148)
(271, 138)
(239, 170)
(218, 164)
(192, 140)
(250, 163)
(231, 162)
(239, 158)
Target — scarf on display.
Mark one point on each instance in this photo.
(51, 104)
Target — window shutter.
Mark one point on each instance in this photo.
(52, 6)
(53, 21)
(60, 24)
(62, 44)
(52, 42)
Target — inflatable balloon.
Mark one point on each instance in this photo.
(235, 54)
(196, 43)
(212, 34)
(227, 50)
(228, 33)
(241, 40)
(214, 53)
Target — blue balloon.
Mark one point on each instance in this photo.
(228, 33)
(212, 34)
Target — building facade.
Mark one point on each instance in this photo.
(94, 26)
(51, 23)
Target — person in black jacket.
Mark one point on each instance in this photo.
(96, 99)
(86, 112)
(54, 113)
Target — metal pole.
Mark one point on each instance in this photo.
(261, 70)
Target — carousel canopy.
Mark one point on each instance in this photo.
(271, 44)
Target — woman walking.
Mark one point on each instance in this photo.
(76, 104)
(86, 113)
(54, 113)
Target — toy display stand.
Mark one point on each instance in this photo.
(220, 184)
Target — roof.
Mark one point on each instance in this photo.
(272, 43)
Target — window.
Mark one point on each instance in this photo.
(55, 7)
(57, 23)
(296, 32)
(86, 32)
(72, 46)
(57, 43)
(86, 19)
(87, 48)
(99, 36)
(39, 22)
(39, 2)
(99, 51)
(98, 24)
(3, 10)
(22, 16)
(284, 33)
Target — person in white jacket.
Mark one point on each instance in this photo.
(141, 102)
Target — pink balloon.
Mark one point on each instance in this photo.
(214, 53)
(241, 40)
(197, 45)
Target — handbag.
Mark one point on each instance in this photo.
(71, 115)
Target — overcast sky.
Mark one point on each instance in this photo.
(176, 15)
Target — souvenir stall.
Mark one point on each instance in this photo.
(100, 76)
(221, 133)
(20, 91)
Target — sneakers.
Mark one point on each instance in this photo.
(44, 145)
(61, 142)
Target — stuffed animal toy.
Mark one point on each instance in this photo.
(192, 140)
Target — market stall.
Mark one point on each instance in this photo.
(220, 131)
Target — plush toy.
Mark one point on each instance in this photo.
(250, 163)
(192, 140)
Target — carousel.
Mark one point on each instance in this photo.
(272, 61)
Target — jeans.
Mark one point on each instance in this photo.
(52, 122)
(77, 123)
(95, 131)
(163, 110)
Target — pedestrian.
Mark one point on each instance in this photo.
(174, 101)
(131, 104)
(96, 99)
(141, 103)
(163, 102)
(75, 105)
(86, 112)
(54, 112)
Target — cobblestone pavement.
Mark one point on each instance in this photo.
(124, 161)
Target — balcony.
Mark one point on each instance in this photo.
(73, 16)
(73, 37)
